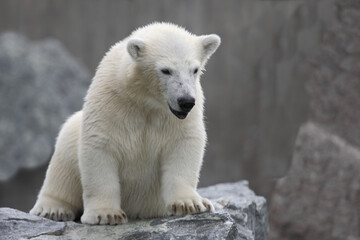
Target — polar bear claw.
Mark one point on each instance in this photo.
(190, 206)
(104, 217)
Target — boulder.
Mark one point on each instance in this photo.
(319, 199)
(334, 86)
(240, 214)
(41, 84)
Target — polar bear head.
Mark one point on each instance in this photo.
(170, 60)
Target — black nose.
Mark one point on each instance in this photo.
(186, 103)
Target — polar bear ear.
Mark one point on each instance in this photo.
(136, 48)
(209, 44)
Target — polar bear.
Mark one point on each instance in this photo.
(136, 148)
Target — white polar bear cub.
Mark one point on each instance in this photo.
(137, 146)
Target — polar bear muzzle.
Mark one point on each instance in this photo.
(186, 103)
(180, 115)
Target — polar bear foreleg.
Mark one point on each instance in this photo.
(180, 173)
(101, 187)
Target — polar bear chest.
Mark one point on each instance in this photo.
(140, 147)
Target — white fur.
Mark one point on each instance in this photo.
(125, 152)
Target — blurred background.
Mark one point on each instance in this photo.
(255, 84)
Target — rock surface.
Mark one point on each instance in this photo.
(40, 86)
(240, 214)
(319, 199)
(335, 85)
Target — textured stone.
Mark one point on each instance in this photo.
(245, 208)
(240, 214)
(16, 225)
(335, 85)
(319, 199)
(40, 85)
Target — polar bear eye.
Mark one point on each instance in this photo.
(196, 70)
(166, 71)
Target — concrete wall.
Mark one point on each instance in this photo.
(254, 84)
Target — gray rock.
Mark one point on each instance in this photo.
(335, 86)
(40, 86)
(319, 199)
(238, 196)
(16, 225)
(240, 214)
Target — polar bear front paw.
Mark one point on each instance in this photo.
(104, 216)
(190, 206)
(53, 212)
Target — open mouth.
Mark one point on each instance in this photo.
(180, 115)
